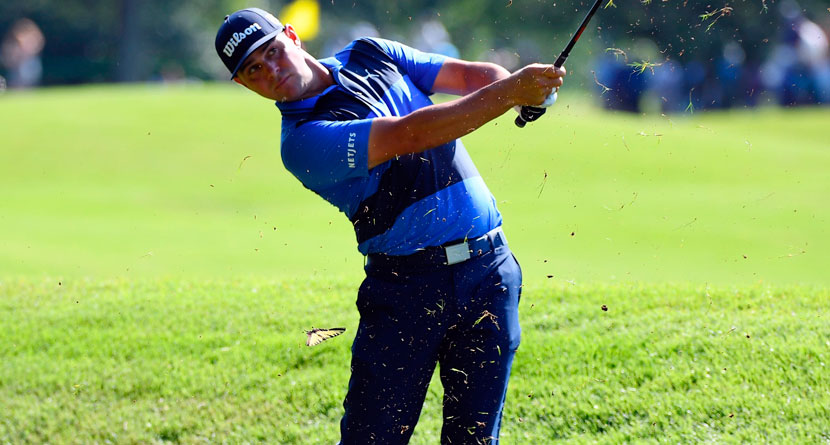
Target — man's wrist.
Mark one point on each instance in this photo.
(502, 89)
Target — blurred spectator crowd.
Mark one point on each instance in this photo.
(795, 72)
(20, 55)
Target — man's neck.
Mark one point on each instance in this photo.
(322, 79)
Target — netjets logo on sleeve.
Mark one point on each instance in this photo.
(351, 151)
(238, 37)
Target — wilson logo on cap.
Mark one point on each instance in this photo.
(238, 37)
(241, 33)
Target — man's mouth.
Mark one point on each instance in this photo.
(281, 82)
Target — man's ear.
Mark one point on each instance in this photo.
(237, 80)
(291, 33)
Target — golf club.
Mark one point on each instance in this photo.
(528, 113)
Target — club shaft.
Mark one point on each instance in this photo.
(520, 120)
(565, 52)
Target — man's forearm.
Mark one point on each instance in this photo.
(436, 124)
(461, 77)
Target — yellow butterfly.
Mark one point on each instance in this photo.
(317, 336)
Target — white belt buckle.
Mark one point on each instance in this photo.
(457, 253)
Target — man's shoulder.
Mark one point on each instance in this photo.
(367, 45)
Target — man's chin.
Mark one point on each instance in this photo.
(275, 97)
(282, 96)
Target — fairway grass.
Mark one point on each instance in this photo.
(150, 181)
(158, 267)
(225, 361)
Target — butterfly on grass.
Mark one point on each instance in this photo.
(317, 336)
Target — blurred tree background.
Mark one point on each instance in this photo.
(131, 40)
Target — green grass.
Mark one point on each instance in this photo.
(158, 267)
(151, 181)
(215, 361)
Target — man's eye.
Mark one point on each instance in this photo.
(253, 69)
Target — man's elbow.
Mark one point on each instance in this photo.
(497, 72)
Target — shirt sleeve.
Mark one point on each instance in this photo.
(323, 153)
(421, 67)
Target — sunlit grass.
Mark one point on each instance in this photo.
(158, 269)
(226, 360)
(149, 181)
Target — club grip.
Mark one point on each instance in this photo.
(520, 122)
(528, 114)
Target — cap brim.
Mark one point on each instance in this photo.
(253, 48)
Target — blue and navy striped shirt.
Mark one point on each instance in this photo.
(407, 203)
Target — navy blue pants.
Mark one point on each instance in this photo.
(463, 317)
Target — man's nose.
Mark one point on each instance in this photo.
(272, 68)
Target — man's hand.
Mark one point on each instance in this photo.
(548, 81)
(533, 84)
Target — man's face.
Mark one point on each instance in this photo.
(277, 70)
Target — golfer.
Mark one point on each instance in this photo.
(441, 286)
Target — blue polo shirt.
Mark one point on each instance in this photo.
(407, 203)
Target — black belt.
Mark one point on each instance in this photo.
(448, 254)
